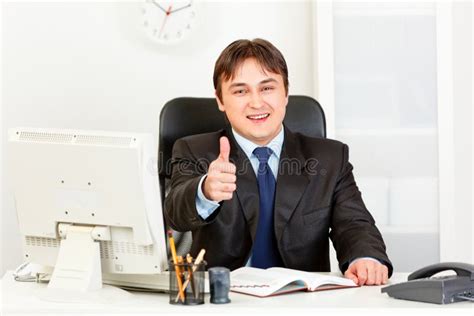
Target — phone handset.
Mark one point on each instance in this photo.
(461, 269)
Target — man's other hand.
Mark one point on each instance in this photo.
(220, 182)
(367, 272)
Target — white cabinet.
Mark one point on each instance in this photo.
(380, 93)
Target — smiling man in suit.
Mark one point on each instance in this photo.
(251, 195)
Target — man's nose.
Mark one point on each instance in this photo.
(256, 101)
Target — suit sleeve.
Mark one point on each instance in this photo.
(353, 230)
(180, 204)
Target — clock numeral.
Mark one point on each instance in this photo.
(188, 26)
(145, 23)
(178, 34)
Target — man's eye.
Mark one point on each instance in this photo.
(241, 91)
(267, 88)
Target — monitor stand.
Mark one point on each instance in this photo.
(78, 264)
(77, 275)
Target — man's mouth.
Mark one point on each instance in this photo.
(258, 117)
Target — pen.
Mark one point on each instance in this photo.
(198, 260)
(176, 268)
(189, 260)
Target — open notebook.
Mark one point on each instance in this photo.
(274, 281)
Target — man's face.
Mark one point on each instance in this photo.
(254, 101)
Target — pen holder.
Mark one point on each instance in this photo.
(189, 288)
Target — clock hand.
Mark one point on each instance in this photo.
(158, 5)
(165, 19)
(178, 9)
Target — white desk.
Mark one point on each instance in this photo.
(21, 297)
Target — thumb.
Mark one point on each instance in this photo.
(224, 149)
(350, 275)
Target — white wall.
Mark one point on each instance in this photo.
(89, 66)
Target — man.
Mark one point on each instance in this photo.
(250, 194)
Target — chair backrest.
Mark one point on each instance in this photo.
(182, 117)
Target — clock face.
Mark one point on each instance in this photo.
(168, 21)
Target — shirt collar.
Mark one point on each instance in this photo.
(248, 146)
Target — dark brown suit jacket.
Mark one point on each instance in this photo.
(316, 198)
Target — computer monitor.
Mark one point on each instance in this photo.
(88, 204)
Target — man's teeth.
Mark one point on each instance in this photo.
(258, 117)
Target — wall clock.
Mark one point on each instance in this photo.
(169, 21)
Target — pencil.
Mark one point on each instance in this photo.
(198, 260)
(176, 268)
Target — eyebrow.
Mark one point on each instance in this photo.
(268, 80)
(241, 84)
(237, 84)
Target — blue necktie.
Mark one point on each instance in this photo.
(265, 251)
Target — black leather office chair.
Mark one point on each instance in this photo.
(181, 117)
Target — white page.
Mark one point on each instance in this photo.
(313, 279)
(260, 282)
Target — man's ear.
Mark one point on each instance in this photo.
(219, 103)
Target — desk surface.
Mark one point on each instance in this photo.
(21, 297)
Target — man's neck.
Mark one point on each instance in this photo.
(259, 144)
(248, 146)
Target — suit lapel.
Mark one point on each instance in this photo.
(247, 187)
(291, 182)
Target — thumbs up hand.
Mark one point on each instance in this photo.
(219, 184)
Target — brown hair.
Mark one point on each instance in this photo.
(267, 55)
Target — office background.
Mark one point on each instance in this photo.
(402, 101)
